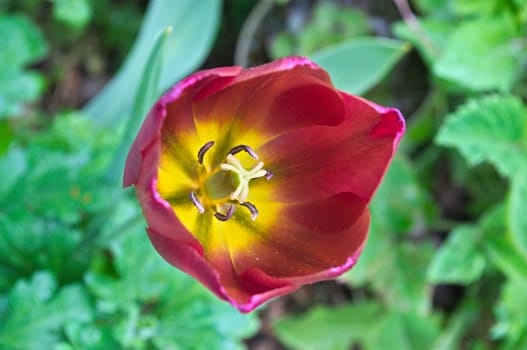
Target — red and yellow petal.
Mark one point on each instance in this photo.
(318, 161)
(273, 99)
(179, 98)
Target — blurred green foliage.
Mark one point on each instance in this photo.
(77, 270)
(22, 44)
(328, 24)
(73, 13)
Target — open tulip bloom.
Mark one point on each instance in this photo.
(256, 181)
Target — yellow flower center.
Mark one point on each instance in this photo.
(224, 188)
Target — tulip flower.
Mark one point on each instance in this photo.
(256, 181)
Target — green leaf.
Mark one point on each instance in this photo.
(459, 260)
(492, 128)
(329, 328)
(477, 7)
(74, 13)
(401, 205)
(18, 87)
(500, 247)
(145, 98)
(282, 45)
(36, 312)
(195, 25)
(511, 324)
(87, 337)
(60, 164)
(356, 65)
(481, 62)
(432, 6)
(12, 165)
(31, 242)
(452, 334)
(517, 212)
(6, 136)
(395, 270)
(22, 42)
(405, 331)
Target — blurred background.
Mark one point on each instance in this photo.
(445, 266)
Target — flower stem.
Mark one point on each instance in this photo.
(413, 23)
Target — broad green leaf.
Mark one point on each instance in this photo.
(491, 128)
(36, 312)
(405, 331)
(481, 62)
(517, 209)
(195, 24)
(74, 13)
(478, 7)
(12, 165)
(324, 328)
(356, 65)
(511, 324)
(22, 44)
(396, 270)
(432, 6)
(401, 205)
(18, 87)
(500, 247)
(459, 259)
(81, 336)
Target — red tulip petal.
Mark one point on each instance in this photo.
(305, 239)
(316, 162)
(272, 99)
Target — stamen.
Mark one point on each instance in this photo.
(227, 216)
(252, 209)
(194, 199)
(245, 148)
(203, 150)
(269, 175)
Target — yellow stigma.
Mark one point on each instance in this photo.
(244, 176)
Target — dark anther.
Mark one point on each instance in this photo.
(252, 209)
(245, 148)
(225, 217)
(203, 150)
(269, 175)
(194, 199)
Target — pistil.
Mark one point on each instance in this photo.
(244, 176)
